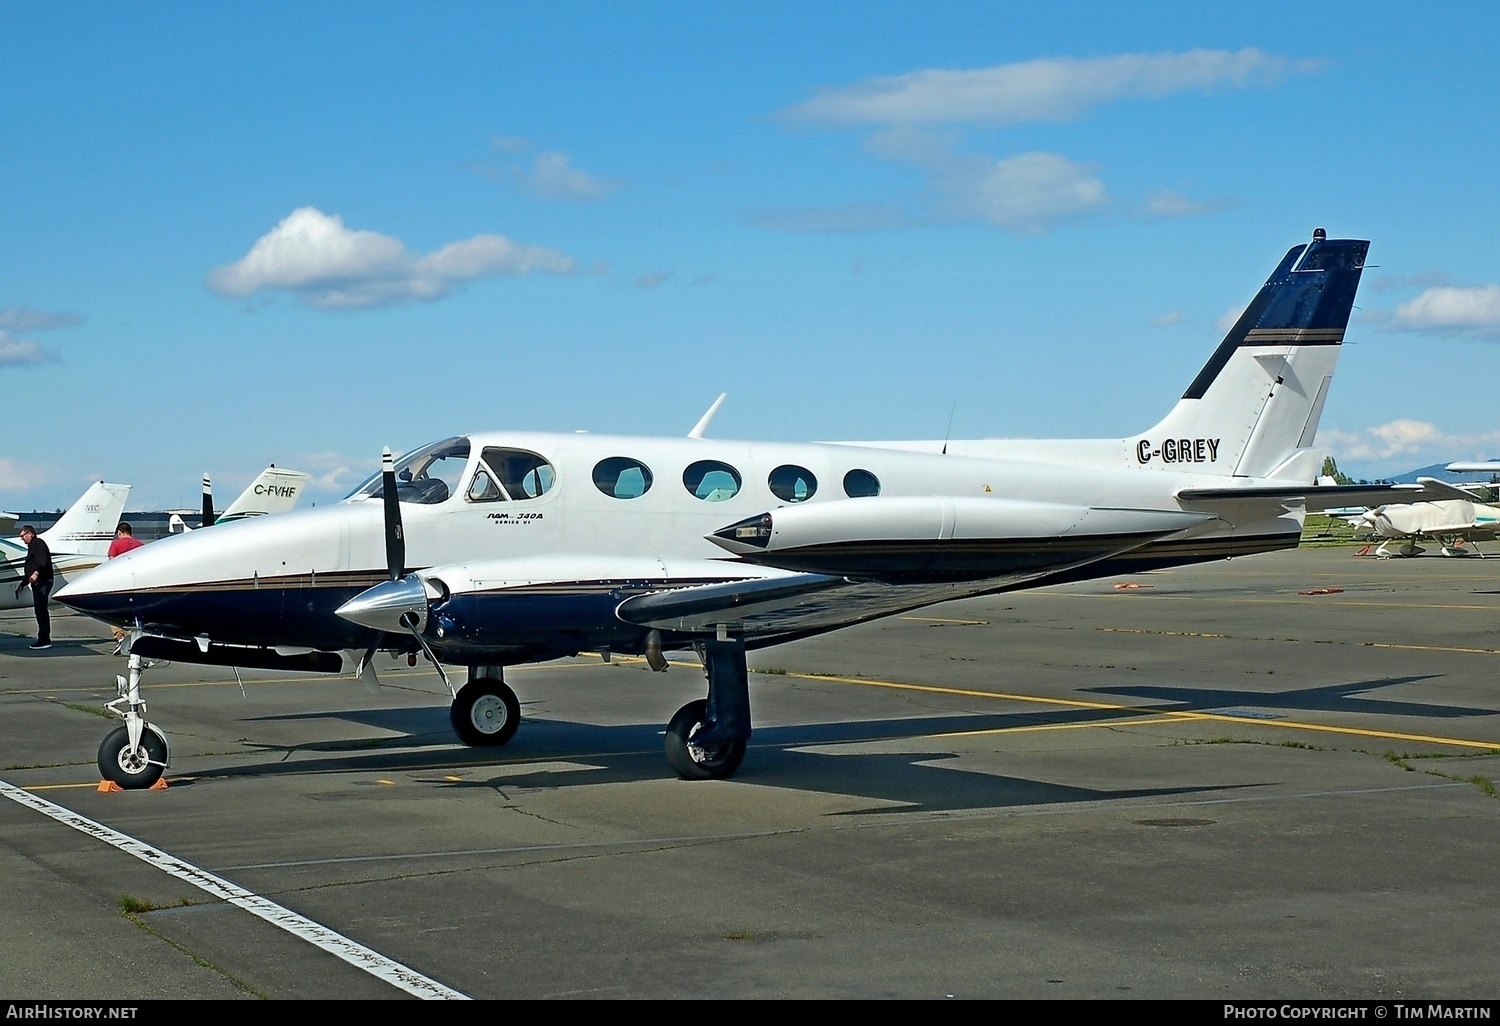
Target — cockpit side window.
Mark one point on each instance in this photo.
(483, 488)
(511, 474)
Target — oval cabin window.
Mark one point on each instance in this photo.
(711, 480)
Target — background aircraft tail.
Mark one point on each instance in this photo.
(89, 525)
(1253, 409)
(274, 491)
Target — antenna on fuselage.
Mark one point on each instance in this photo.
(949, 433)
(702, 424)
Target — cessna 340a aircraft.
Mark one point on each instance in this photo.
(488, 550)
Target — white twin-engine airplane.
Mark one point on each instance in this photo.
(79, 541)
(273, 491)
(493, 549)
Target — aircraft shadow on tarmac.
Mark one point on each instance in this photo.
(925, 779)
(1342, 698)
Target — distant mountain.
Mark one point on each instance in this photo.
(1436, 470)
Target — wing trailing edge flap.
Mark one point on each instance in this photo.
(1317, 498)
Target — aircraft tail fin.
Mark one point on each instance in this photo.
(274, 491)
(89, 525)
(1253, 409)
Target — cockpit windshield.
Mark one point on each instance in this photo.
(427, 475)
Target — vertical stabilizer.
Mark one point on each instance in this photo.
(274, 491)
(88, 527)
(1255, 405)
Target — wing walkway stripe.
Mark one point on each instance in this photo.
(357, 955)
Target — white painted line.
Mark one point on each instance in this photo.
(357, 955)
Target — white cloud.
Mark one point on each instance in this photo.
(1387, 282)
(1051, 89)
(551, 174)
(316, 257)
(1169, 204)
(1228, 319)
(20, 352)
(652, 280)
(1024, 193)
(1416, 441)
(19, 318)
(19, 476)
(1451, 309)
(335, 473)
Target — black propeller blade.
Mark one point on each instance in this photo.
(208, 502)
(395, 542)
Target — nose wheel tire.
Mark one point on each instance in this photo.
(485, 713)
(133, 768)
(699, 762)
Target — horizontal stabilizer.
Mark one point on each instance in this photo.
(1317, 498)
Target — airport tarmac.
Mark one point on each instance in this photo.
(1265, 778)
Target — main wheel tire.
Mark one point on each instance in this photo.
(137, 768)
(485, 713)
(699, 762)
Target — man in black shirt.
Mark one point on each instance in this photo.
(38, 574)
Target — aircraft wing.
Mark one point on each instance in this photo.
(788, 605)
(1318, 498)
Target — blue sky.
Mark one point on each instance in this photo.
(235, 234)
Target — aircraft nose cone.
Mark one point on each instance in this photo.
(394, 607)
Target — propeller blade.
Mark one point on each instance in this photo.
(395, 542)
(208, 502)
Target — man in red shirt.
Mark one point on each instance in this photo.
(125, 540)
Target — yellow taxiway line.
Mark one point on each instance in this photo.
(1135, 716)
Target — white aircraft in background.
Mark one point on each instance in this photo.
(493, 549)
(1449, 522)
(274, 491)
(79, 541)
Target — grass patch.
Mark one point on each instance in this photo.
(133, 908)
(96, 710)
(1485, 784)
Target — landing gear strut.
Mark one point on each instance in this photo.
(134, 755)
(485, 711)
(705, 739)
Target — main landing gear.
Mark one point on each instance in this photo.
(137, 754)
(705, 739)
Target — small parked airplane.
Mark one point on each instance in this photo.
(274, 491)
(492, 549)
(1449, 522)
(79, 541)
